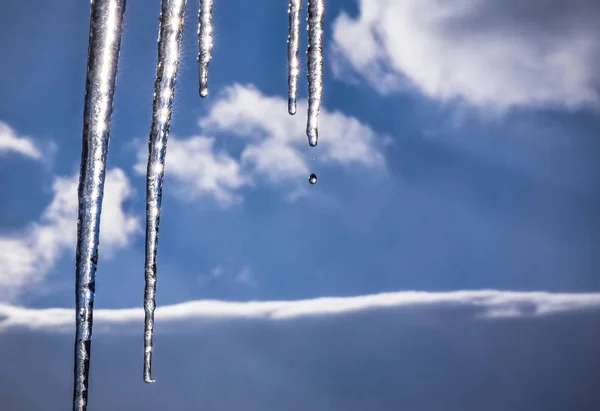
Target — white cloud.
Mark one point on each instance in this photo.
(496, 53)
(274, 146)
(10, 142)
(277, 144)
(486, 303)
(26, 257)
(199, 170)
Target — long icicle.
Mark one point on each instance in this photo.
(169, 43)
(316, 10)
(106, 29)
(205, 44)
(293, 45)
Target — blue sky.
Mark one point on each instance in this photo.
(458, 153)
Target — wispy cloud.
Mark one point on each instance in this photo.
(26, 257)
(486, 303)
(494, 53)
(11, 142)
(245, 277)
(214, 274)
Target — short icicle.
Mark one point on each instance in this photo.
(205, 44)
(293, 44)
(106, 28)
(169, 44)
(316, 11)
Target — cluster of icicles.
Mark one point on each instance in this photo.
(106, 27)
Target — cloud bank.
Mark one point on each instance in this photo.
(420, 359)
(26, 257)
(487, 303)
(498, 53)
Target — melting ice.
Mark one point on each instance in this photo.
(205, 43)
(169, 44)
(106, 28)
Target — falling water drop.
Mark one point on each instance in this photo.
(293, 45)
(312, 178)
(316, 10)
(205, 43)
(169, 43)
(106, 29)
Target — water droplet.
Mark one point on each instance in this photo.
(312, 178)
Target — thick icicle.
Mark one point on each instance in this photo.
(169, 43)
(316, 10)
(205, 43)
(106, 28)
(293, 44)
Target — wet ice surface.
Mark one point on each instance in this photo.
(169, 43)
(106, 27)
(293, 46)
(205, 44)
(316, 11)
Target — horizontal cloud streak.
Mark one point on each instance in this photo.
(486, 303)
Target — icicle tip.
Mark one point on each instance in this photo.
(203, 91)
(292, 106)
(313, 136)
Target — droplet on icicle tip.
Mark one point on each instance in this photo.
(313, 136)
(292, 106)
(312, 179)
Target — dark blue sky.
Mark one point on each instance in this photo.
(457, 151)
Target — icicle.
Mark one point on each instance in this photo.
(293, 44)
(169, 42)
(205, 43)
(106, 28)
(316, 9)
